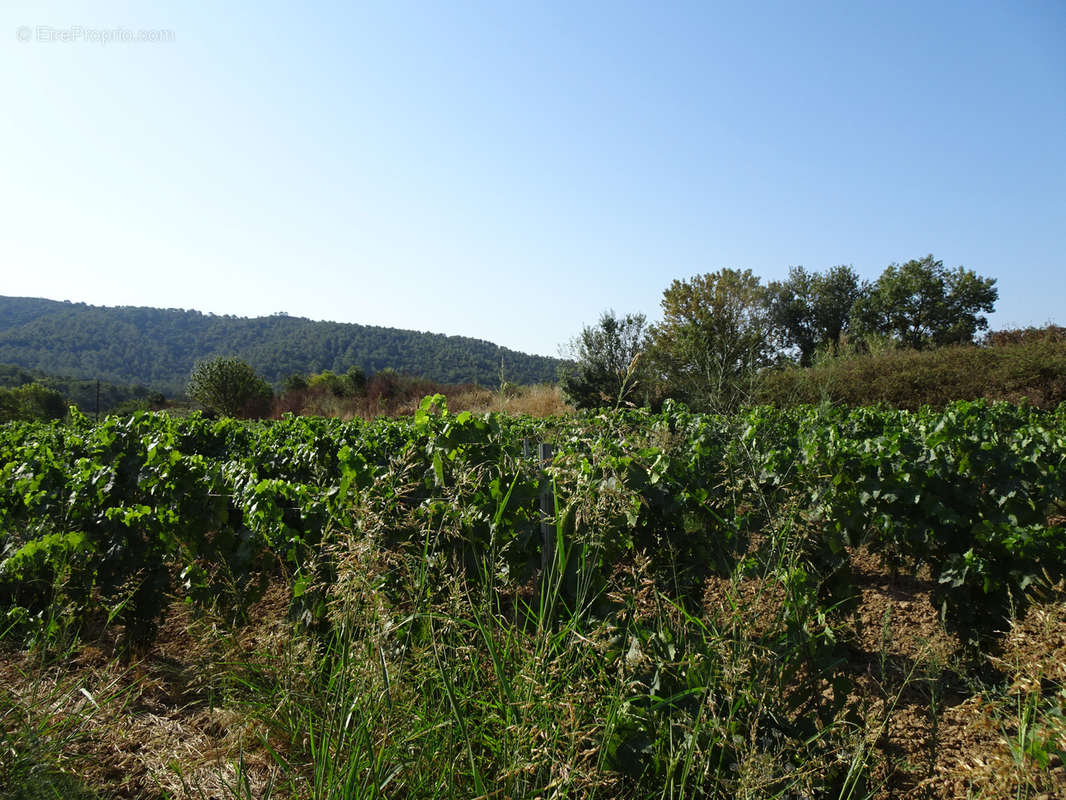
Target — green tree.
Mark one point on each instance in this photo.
(355, 381)
(9, 405)
(230, 387)
(715, 336)
(329, 381)
(606, 356)
(295, 383)
(812, 310)
(31, 401)
(921, 304)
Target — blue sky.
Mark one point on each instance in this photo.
(509, 170)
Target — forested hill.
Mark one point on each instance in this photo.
(158, 347)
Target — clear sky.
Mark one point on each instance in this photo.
(508, 170)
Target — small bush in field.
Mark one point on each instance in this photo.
(229, 387)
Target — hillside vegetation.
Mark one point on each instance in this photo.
(1016, 366)
(159, 347)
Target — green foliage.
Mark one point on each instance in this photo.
(969, 491)
(31, 401)
(1031, 369)
(921, 304)
(355, 380)
(352, 384)
(295, 383)
(159, 347)
(120, 511)
(84, 394)
(328, 381)
(471, 603)
(230, 387)
(715, 336)
(605, 369)
(813, 310)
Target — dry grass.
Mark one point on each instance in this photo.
(163, 724)
(540, 400)
(1009, 742)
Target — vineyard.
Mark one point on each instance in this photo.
(629, 604)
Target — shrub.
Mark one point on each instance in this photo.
(605, 357)
(1020, 366)
(229, 387)
(31, 401)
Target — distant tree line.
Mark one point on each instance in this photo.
(159, 347)
(230, 387)
(721, 331)
(32, 394)
(720, 334)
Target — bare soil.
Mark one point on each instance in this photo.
(941, 735)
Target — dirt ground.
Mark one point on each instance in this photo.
(944, 736)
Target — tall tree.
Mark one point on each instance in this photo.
(921, 304)
(714, 337)
(812, 310)
(605, 355)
